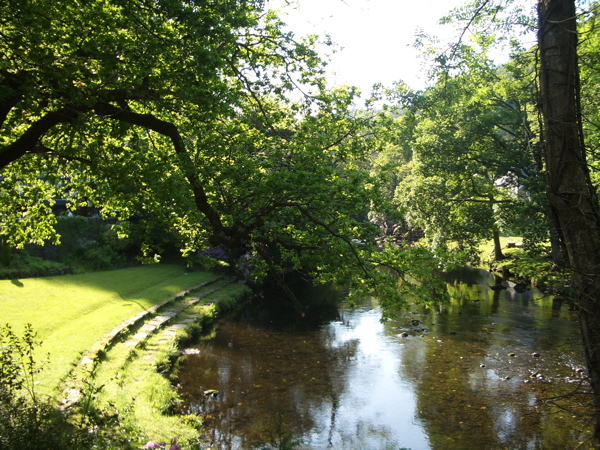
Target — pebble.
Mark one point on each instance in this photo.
(512, 354)
(535, 355)
(190, 351)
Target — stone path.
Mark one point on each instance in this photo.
(157, 317)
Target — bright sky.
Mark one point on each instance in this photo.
(376, 36)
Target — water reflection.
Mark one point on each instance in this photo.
(472, 374)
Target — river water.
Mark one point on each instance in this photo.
(490, 370)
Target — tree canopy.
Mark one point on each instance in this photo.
(208, 117)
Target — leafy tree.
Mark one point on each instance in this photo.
(473, 153)
(206, 116)
(589, 65)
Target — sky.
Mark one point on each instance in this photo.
(376, 36)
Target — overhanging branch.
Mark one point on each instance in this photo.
(29, 140)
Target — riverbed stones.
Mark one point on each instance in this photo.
(211, 393)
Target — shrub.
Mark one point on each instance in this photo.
(88, 242)
(24, 265)
(26, 422)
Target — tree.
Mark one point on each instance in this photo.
(473, 152)
(570, 192)
(183, 110)
(77, 78)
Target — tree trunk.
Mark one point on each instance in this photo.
(557, 245)
(5, 252)
(570, 191)
(498, 255)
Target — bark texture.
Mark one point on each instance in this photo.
(570, 192)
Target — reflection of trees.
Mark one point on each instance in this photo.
(464, 405)
(262, 375)
(349, 386)
(306, 378)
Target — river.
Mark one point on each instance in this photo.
(490, 370)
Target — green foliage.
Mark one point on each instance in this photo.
(24, 265)
(89, 242)
(209, 119)
(26, 421)
(589, 67)
(476, 165)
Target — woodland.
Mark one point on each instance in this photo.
(214, 124)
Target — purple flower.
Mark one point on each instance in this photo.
(174, 445)
(218, 253)
(151, 444)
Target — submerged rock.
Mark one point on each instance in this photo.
(190, 351)
(211, 393)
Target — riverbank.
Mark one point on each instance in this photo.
(112, 338)
(528, 270)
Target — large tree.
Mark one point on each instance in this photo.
(570, 191)
(206, 116)
(474, 157)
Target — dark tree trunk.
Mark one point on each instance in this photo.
(498, 255)
(557, 244)
(5, 252)
(570, 191)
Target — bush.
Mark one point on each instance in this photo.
(26, 422)
(24, 265)
(88, 242)
(30, 422)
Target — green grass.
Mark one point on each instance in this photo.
(137, 383)
(70, 313)
(141, 396)
(486, 249)
(538, 270)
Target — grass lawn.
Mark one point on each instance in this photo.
(487, 247)
(70, 313)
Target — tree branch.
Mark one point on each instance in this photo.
(29, 140)
(167, 129)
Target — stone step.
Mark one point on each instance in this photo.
(151, 325)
